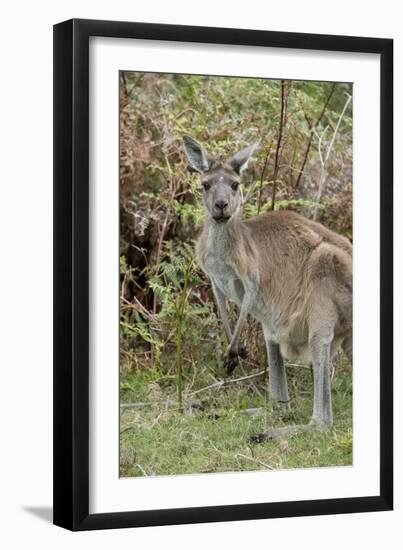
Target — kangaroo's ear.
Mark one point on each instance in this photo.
(198, 157)
(239, 162)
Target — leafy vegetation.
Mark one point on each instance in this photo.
(179, 412)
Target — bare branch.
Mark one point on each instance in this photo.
(278, 146)
(259, 200)
(325, 158)
(255, 460)
(221, 383)
(312, 127)
(139, 405)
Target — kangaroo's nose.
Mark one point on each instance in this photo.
(221, 204)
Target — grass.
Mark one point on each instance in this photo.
(212, 434)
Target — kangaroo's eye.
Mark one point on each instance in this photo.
(206, 185)
(235, 185)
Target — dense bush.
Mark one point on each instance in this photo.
(160, 196)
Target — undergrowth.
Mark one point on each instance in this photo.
(220, 416)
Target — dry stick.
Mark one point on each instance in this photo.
(254, 388)
(324, 159)
(138, 405)
(138, 306)
(224, 382)
(142, 469)
(248, 194)
(255, 461)
(124, 84)
(295, 365)
(290, 82)
(291, 170)
(279, 138)
(312, 132)
(259, 199)
(218, 384)
(123, 430)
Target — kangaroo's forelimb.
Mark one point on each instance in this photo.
(234, 350)
(220, 300)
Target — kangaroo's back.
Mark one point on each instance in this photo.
(297, 254)
(283, 225)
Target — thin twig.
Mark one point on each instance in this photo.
(142, 469)
(259, 199)
(225, 382)
(131, 427)
(278, 146)
(255, 460)
(249, 193)
(124, 84)
(312, 128)
(138, 405)
(295, 365)
(324, 159)
(139, 306)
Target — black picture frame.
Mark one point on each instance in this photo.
(71, 274)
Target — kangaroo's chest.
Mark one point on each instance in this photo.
(224, 277)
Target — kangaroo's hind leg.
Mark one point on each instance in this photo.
(278, 388)
(277, 373)
(321, 334)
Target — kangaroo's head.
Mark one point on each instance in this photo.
(222, 193)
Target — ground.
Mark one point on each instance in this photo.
(219, 417)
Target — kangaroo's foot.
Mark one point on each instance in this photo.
(276, 433)
(243, 352)
(231, 358)
(281, 408)
(320, 425)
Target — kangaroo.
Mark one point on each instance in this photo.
(291, 274)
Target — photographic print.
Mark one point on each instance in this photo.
(235, 274)
(204, 194)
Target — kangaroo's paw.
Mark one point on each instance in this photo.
(231, 360)
(243, 352)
